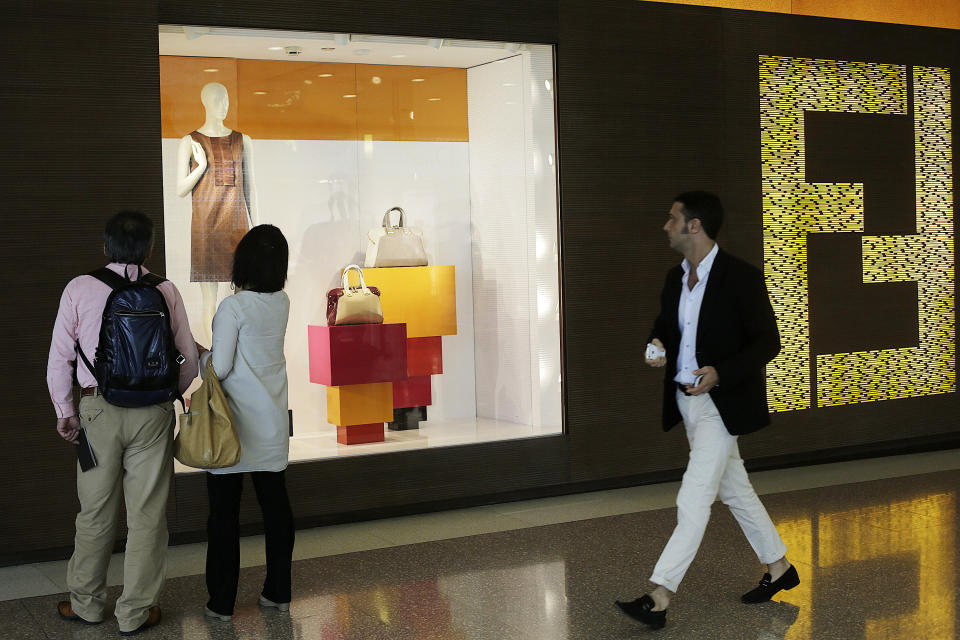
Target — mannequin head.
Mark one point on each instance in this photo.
(215, 100)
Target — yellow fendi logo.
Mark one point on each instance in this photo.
(793, 207)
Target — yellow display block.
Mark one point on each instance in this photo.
(425, 298)
(352, 404)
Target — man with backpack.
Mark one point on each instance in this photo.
(122, 334)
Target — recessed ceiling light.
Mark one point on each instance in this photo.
(259, 93)
(509, 84)
(417, 80)
(308, 82)
(210, 70)
(376, 80)
(434, 99)
(547, 84)
(274, 48)
(324, 75)
(411, 115)
(350, 95)
(399, 55)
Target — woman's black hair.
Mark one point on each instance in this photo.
(260, 260)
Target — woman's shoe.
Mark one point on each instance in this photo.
(213, 614)
(641, 610)
(767, 588)
(280, 606)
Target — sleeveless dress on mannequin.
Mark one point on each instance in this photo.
(220, 217)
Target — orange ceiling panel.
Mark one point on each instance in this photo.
(412, 103)
(297, 100)
(181, 79)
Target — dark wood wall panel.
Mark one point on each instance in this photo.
(653, 99)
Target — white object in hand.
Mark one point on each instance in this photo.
(654, 352)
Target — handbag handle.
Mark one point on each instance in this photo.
(345, 280)
(386, 218)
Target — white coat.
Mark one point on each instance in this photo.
(247, 352)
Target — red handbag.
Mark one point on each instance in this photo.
(353, 305)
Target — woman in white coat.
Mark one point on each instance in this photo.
(247, 352)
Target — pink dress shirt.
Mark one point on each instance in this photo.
(81, 309)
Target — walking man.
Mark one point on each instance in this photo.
(715, 332)
(132, 445)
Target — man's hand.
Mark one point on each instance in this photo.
(69, 429)
(200, 348)
(709, 380)
(657, 362)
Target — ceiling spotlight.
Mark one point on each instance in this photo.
(274, 48)
(342, 39)
(324, 75)
(436, 43)
(399, 55)
(259, 93)
(417, 80)
(350, 95)
(376, 80)
(211, 70)
(433, 99)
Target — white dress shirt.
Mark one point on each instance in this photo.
(688, 317)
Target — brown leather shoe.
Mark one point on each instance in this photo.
(153, 619)
(65, 610)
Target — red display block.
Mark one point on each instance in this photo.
(360, 433)
(357, 353)
(424, 356)
(412, 392)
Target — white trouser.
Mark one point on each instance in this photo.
(715, 468)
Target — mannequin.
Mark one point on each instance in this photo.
(215, 165)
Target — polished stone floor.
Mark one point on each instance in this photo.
(875, 543)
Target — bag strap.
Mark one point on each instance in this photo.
(111, 279)
(345, 280)
(386, 218)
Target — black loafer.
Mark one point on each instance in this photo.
(766, 589)
(641, 610)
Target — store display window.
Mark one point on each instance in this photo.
(431, 165)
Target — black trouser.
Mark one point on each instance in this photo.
(223, 537)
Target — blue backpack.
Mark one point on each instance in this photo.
(137, 363)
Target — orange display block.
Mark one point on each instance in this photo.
(412, 392)
(424, 356)
(360, 433)
(360, 403)
(424, 298)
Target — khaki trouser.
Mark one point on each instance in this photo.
(134, 450)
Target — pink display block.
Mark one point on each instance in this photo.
(412, 392)
(357, 353)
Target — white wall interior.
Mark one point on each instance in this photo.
(488, 207)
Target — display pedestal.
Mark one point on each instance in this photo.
(407, 418)
(377, 373)
(360, 433)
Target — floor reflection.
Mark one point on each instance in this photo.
(876, 560)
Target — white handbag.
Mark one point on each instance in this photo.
(399, 246)
(353, 305)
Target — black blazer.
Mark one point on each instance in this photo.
(737, 335)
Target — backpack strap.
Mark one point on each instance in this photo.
(106, 276)
(151, 279)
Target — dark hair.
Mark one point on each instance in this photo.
(127, 237)
(260, 260)
(704, 206)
